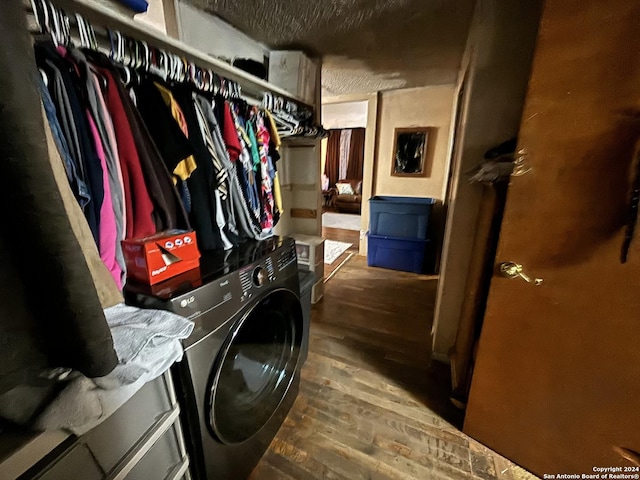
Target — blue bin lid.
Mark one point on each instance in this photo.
(395, 199)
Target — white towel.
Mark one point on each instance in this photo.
(147, 343)
(134, 329)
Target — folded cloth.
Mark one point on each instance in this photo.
(149, 364)
(147, 343)
(135, 330)
(82, 405)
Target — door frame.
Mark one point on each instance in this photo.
(370, 155)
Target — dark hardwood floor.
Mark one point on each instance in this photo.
(372, 405)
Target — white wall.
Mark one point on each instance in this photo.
(154, 16)
(415, 107)
(344, 115)
(215, 37)
(500, 50)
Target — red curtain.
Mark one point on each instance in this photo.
(332, 164)
(355, 167)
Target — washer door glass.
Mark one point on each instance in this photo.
(256, 367)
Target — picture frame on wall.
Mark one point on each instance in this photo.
(410, 148)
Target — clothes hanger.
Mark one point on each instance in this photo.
(93, 42)
(131, 53)
(36, 15)
(46, 25)
(82, 32)
(164, 64)
(116, 46)
(147, 56)
(235, 90)
(217, 84)
(136, 60)
(63, 27)
(190, 71)
(267, 100)
(112, 44)
(55, 16)
(206, 80)
(132, 49)
(45, 78)
(185, 69)
(199, 78)
(177, 67)
(168, 65)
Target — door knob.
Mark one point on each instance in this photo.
(515, 270)
(521, 165)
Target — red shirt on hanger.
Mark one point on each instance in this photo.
(138, 203)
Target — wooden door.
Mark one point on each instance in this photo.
(556, 386)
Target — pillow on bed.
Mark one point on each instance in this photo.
(344, 189)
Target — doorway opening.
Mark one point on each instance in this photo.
(342, 174)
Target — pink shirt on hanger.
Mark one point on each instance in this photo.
(114, 147)
(108, 233)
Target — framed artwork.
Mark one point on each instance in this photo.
(410, 149)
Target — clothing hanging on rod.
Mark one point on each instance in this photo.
(291, 120)
(172, 145)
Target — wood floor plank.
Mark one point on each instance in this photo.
(371, 404)
(328, 460)
(266, 471)
(395, 458)
(358, 393)
(374, 380)
(356, 415)
(436, 454)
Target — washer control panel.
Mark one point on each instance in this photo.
(254, 278)
(277, 265)
(260, 276)
(287, 256)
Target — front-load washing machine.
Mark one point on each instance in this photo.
(240, 373)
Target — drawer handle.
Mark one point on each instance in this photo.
(143, 445)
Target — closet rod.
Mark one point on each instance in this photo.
(109, 18)
(104, 45)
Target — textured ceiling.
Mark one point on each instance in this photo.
(366, 45)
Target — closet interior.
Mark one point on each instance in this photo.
(149, 136)
(169, 93)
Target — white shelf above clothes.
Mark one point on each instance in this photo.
(101, 14)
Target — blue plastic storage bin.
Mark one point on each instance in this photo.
(406, 254)
(406, 217)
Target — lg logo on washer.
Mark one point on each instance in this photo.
(187, 301)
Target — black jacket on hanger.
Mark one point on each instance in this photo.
(202, 180)
(168, 210)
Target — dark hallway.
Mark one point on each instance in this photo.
(371, 405)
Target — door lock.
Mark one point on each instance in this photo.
(515, 270)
